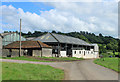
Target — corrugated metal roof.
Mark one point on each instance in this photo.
(30, 38)
(27, 44)
(51, 37)
(69, 39)
(46, 38)
(4, 34)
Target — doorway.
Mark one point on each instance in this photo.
(29, 53)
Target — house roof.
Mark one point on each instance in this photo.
(51, 37)
(27, 44)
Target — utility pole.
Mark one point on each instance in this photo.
(20, 38)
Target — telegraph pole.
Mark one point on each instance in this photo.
(20, 38)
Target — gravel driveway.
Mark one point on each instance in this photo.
(79, 70)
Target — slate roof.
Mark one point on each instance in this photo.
(27, 44)
(52, 37)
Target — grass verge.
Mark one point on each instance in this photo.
(111, 63)
(25, 58)
(17, 71)
(44, 59)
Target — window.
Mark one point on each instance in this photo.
(75, 52)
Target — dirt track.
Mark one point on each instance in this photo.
(79, 70)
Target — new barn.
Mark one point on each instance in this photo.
(66, 46)
(11, 37)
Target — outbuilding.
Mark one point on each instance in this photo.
(67, 46)
(29, 48)
(11, 37)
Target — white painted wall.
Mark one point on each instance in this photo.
(63, 53)
(85, 54)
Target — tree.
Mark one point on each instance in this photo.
(118, 45)
(53, 31)
(100, 35)
(16, 31)
(29, 33)
(82, 37)
(109, 47)
(5, 31)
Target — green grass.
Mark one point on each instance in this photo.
(111, 63)
(40, 60)
(25, 58)
(63, 58)
(17, 71)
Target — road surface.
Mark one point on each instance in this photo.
(79, 70)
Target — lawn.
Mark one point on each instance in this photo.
(17, 71)
(25, 58)
(111, 63)
(44, 59)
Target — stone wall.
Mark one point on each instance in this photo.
(5, 52)
(11, 53)
(47, 52)
(36, 53)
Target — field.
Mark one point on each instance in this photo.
(111, 63)
(44, 59)
(16, 71)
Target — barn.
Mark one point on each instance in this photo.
(67, 46)
(10, 38)
(28, 48)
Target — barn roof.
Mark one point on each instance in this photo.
(27, 44)
(4, 34)
(52, 37)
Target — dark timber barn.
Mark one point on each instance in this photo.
(67, 46)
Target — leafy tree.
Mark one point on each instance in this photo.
(29, 33)
(53, 31)
(100, 35)
(109, 46)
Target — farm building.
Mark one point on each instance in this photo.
(10, 37)
(66, 46)
(29, 48)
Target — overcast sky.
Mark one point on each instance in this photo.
(95, 17)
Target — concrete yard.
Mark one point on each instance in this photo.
(79, 70)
